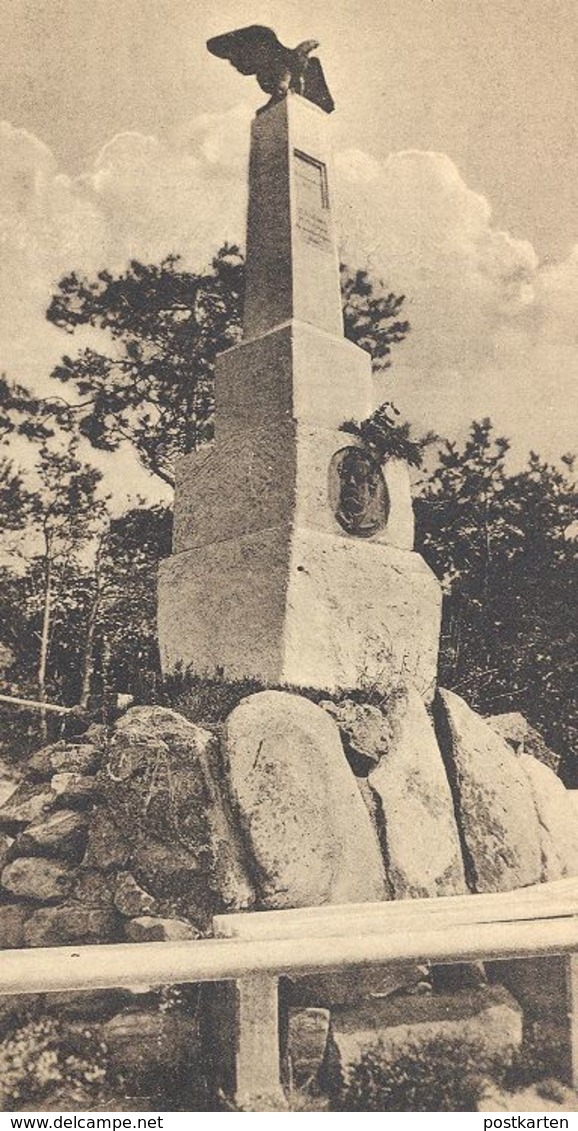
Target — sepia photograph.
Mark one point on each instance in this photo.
(288, 559)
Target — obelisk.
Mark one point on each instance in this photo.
(293, 560)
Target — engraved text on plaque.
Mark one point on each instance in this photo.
(312, 200)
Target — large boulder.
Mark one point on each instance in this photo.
(365, 730)
(305, 822)
(307, 1034)
(149, 929)
(557, 820)
(62, 834)
(70, 926)
(75, 791)
(523, 738)
(45, 881)
(109, 845)
(131, 899)
(92, 889)
(175, 876)
(423, 847)
(147, 1047)
(493, 800)
(510, 725)
(25, 804)
(5, 853)
(162, 786)
(83, 758)
(12, 919)
(490, 1018)
(534, 744)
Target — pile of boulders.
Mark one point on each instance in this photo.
(116, 838)
(145, 832)
(449, 806)
(47, 898)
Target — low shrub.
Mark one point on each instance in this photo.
(55, 1063)
(39, 1058)
(539, 1057)
(203, 700)
(443, 1074)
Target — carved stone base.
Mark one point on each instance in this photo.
(301, 608)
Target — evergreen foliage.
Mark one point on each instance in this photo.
(442, 1074)
(79, 586)
(151, 386)
(501, 543)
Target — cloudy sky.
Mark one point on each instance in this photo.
(456, 164)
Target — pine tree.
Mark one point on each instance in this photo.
(500, 544)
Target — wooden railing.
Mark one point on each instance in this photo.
(259, 947)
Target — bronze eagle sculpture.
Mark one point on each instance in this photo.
(255, 50)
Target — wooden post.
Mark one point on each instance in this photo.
(258, 1083)
(547, 990)
(572, 999)
(35, 705)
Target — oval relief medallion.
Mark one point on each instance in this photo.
(357, 492)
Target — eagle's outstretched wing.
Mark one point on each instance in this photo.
(316, 89)
(248, 48)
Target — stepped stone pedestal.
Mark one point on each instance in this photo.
(293, 557)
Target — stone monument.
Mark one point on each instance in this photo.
(293, 560)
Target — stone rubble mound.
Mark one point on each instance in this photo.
(145, 832)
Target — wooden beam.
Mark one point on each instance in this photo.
(35, 705)
(53, 969)
(542, 901)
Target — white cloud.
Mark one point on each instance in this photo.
(158, 200)
(223, 139)
(419, 224)
(46, 227)
(558, 299)
(493, 332)
(142, 199)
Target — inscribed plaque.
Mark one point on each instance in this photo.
(312, 200)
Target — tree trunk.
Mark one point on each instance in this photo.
(108, 700)
(45, 639)
(88, 654)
